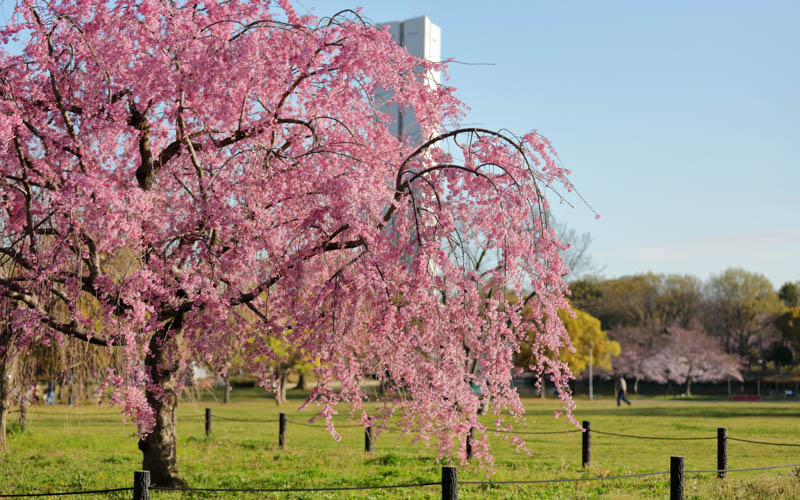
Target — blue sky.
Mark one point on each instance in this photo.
(678, 119)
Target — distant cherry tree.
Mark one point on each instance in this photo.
(236, 156)
(677, 355)
(694, 356)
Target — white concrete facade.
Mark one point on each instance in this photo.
(423, 39)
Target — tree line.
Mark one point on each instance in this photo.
(677, 328)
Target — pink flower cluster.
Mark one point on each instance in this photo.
(197, 182)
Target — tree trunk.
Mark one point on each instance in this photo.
(8, 374)
(227, 389)
(3, 420)
(159, 448)
(543, 390)
(688, 387)
(636, 386)
(301, 382)
(284, 380)
(281, 374)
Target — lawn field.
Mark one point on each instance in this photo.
(87, 447)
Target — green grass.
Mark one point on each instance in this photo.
(87, 447)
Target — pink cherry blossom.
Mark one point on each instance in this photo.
(216, 177)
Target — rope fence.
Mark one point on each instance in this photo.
(297, 490)
(565, 431)
(664, 438)
(762, 442)
(63, 493)
(449, 482)
(567, 480)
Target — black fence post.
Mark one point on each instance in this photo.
(722, 452)
(141, 485)
(470, 438)
(23, 414)
(586, 455)
(208, 422)
(282, 430)
(369, 446)
(449, 483)
(676, 484)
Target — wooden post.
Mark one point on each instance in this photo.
(23, 414)
(676, 484)
(141, 485)
(470, 438)
(722, 452)
(368, 443)
(208, 422)
(586, 455)
(282, 430)
(449, 483)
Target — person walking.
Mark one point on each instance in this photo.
(50, 394)
(622, 388)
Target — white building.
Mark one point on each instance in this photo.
(422, 39)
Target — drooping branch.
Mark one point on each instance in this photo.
(15, 292)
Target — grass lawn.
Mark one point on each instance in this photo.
(87, 447)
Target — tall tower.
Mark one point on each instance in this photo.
(421, 38)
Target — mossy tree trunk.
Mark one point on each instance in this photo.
(9, 360)
(159, 447)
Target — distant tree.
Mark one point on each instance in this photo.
(679, 355)
(637, 359)
(585, 332)
(584, 291)
(681, 300)
(637, 310)
(648, 302)
(789, 293)
(779, 354)
(788, 323)
(576, 257)
(740, 311)
(693, 356)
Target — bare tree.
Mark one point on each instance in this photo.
(577, 257)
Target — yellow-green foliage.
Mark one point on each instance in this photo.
(789, 325)
(585, 332)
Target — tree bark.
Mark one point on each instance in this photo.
(688, 387)
(281, 375)
(227, 389)
(301, 381)
(159, 448)
(8, 374)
